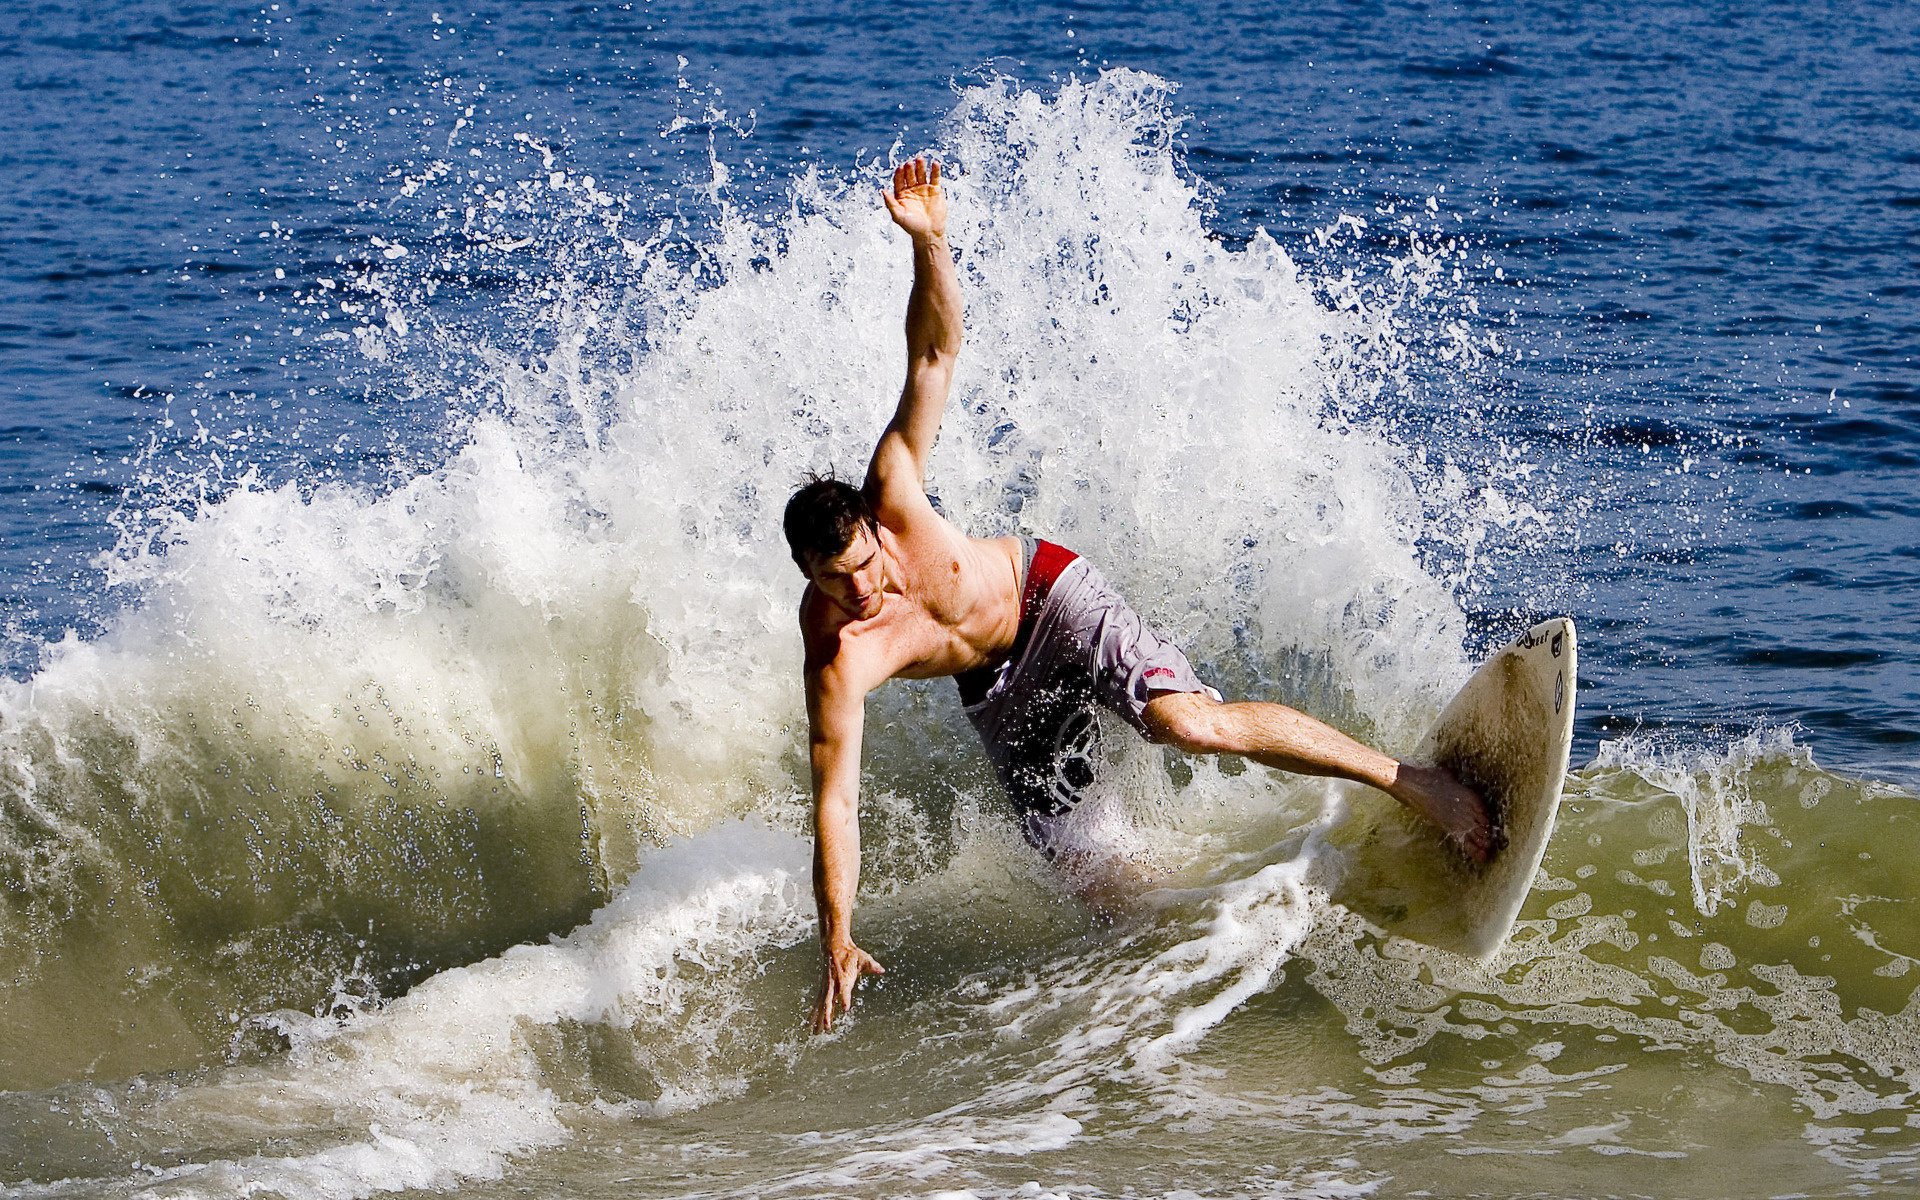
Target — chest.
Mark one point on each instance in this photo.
(922, 641)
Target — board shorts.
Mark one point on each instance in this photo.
(1080, 647)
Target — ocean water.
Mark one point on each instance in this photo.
(401, 773)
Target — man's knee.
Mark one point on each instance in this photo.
(1188, 721)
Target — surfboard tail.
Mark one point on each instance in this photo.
(1507, 735)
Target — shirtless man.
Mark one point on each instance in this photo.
(1033, 634)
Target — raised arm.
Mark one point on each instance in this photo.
(836, 713)
(918, 205)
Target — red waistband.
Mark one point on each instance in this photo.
(1048, 561)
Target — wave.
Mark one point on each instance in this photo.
(309, 822)
(364, 733)
(1026, 1023)
(1741, 904)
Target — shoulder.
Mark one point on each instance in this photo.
(820, 626)
(895, 486)
(910, 522)
(835, 653)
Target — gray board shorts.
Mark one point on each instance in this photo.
(1084, 648)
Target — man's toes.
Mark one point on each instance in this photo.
(1475, 841)
(1472, 845)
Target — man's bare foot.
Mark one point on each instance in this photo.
(1436, 795)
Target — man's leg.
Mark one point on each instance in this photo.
(1281, 737)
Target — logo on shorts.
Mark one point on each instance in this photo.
(1075, 759)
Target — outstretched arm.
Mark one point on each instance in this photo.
(836, 715)
(918, 205)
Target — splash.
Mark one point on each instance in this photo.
(1783, 963)
(1715, 791)
(454, 1080)
(372, 731)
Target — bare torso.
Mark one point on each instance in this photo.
(950, 603)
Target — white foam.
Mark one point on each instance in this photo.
(450, 1082)
(584, 610)
(593, 585)
(1713, 787)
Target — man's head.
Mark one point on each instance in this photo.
(835, 539)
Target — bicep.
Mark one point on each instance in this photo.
(916, 422)
(836, 716)
(897, 483)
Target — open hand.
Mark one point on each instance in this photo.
(916, 201)
(839, 975)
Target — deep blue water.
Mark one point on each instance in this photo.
(1699, 224)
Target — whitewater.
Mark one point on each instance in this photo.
(447, 829)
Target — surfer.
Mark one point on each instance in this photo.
(1033, 633)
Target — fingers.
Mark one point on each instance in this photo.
(914, 173)
(837, 985)
(831, 1003)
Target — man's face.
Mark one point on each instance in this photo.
(854, 578)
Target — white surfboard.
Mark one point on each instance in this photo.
(1506, 734)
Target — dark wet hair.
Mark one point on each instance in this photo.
(824, 517)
